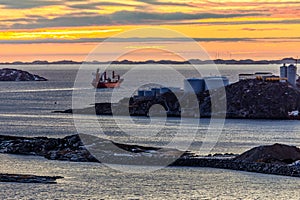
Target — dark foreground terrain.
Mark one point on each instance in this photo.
(21, 178)
(278, 159)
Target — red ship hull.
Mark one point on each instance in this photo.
(102, 81)
(108, 84)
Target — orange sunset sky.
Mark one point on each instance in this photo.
(57, 29)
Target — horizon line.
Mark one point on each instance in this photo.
(65, 61)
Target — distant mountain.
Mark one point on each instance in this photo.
(192, 61)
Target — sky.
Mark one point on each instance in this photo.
(226, 29)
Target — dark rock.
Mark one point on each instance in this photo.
(276, 153)
(250, 99)
(18, 178)
(255, 99)
(71, 148)
(141, 106)
(7, 74)
(99, 109)
(274, 159)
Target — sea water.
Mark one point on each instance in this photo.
(26, 110)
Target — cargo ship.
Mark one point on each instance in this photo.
(102, 81)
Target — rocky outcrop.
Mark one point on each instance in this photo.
(168, 102)
(71, 148)
(276, 153)
(276, 159)
(255, 99)
(246, 99)
(135, 107)
(257, 167)
(99, 109)
(21, 178)
(7, 74)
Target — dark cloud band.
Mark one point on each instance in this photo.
(22, 4)
(170, 40)
(119, 18)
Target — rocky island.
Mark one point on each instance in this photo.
(8, 74)
(246, 99)
(278, 159)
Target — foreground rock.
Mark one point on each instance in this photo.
(276, 159)
(7, 74)
(68, 148)
(98, 109)
(257, 167)
(18, 178)
(71, 148)
(275, 154)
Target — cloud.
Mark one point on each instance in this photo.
(23, 4)
(119, 18)
(94, 5)
(264, 29)
(155, 2)
(245, 22)
(65, 21)
(83, 13)
(154, 40)
(145, 17)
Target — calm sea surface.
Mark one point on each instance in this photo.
(26, 110)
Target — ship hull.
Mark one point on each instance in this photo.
(108, 84)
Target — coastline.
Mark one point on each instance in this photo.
(246, 99)
(71, 148)
(173, 62)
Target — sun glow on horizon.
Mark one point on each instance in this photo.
(239, 28)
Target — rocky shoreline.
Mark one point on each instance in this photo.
(24, 178)
(246, 99)
(8, 74)
(277, 159)
(264, 168)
